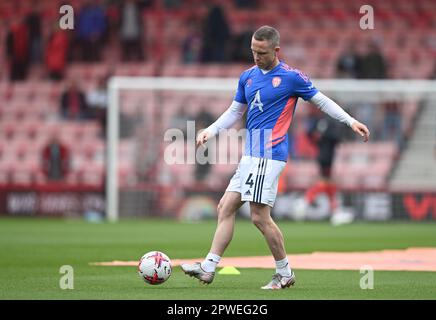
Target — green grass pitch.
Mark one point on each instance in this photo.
(33, 250)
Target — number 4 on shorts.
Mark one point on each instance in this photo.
(250, 181)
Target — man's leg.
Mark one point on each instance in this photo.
(227, 207)
(261, 217)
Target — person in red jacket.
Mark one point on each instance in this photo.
(17, 48)
(55, 159)
(56, 53)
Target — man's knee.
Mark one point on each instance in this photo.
(227, 206)
(257, 220)
(259, 215)
(220, 209)
(220, 205)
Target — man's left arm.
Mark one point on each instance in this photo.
(330, 107)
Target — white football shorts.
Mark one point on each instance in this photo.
(257, 179)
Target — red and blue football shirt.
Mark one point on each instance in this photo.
(271, 100)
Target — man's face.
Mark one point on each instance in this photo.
(264, 54)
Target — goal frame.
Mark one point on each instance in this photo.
(338, 87)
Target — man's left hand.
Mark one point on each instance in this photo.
(361, 129)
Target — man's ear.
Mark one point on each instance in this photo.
(277, 49)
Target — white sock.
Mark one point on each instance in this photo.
(283, 268)
(209, 264)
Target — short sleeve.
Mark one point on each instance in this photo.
(240, 91)
(303, 87)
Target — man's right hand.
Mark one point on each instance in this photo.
(202, 137)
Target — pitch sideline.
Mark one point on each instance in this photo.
(411, 259)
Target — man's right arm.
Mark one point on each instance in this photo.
(225, 121)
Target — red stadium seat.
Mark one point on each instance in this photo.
(91, 174)
(5, 171)
(302, 174)
(365, 166)
(24, 174)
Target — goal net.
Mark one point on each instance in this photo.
(154, 168)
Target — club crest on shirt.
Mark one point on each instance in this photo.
(276, 81)
(249, 82)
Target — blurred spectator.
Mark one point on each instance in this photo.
(303, 147)
(17, 48)
(191, 46)
(112, 12)
(91, 30)
(348, 63)
(180, 119)
(391, 130)
(292, 152)
(310, 122)
(33, 21)
(241, 46)
(245, 4)
(128, 124)
(73, 104)
(433, 74)
(96, 101)
(216, 36)
(203, 119)
(365, 112)
(373, 65)
(326, 133)
(55, 159)
(172, 4)
(131, 30)
(56, 53)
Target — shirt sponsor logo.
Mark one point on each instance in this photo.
(257, 103)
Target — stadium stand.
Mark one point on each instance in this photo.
(28, 109)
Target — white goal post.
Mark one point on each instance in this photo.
(343, 89)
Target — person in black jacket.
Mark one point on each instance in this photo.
(34, 24)
(73, 103)
(326, 133)
(216, 36)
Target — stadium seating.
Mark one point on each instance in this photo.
(29, 109)
(352, 160)
(302, 174)
(37, 123)
(335, 24)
